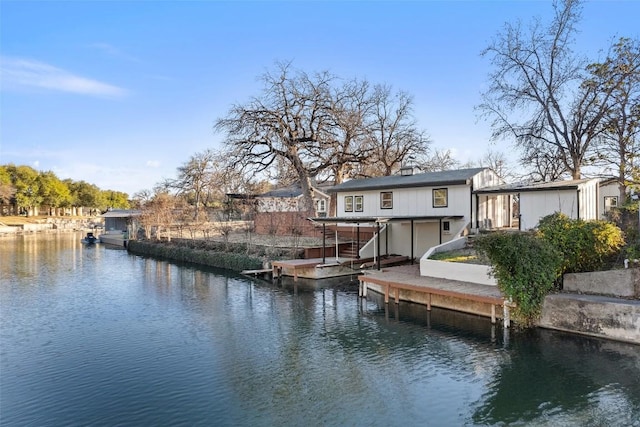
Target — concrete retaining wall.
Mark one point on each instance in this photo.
(474, 273)
(616, 283)
(598, 316)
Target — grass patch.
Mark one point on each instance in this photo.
(467, 256)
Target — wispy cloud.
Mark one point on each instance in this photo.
(153, 163)
(113, 51)
(19, 72)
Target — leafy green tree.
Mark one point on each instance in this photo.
(115, 199)
(54, 192)
(7, 190)
(26, 182)
(85, 195)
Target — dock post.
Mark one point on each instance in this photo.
(506, 315)
(493, 314)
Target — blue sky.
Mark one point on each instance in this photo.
(121, 93)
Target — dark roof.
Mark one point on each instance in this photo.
(452, 177)
(535, 186)
(121, 213)
(290, 191)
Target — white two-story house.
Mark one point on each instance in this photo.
(416, 211)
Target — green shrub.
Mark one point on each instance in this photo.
(197, 254)
(525, 267)
(585, 245)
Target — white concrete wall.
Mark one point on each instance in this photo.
(473, 273)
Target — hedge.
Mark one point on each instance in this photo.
(181, 252)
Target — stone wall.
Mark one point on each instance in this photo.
(623, 283)
(604, 317)
(603, 304)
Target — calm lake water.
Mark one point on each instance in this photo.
(96, 336)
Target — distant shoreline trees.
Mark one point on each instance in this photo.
(25, 191)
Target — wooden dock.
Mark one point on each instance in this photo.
(264, 273)
(461, 296)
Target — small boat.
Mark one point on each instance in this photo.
(89, 238)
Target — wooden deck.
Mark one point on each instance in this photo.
(407, 278)
(312, 268)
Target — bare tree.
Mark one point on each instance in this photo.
(289, 117)
(345, 147)
(439, 160)
(542, 163)
(393, 133)
(318, 127)
(538, 92)
(158, 213)
(194, 179)
(620, 142)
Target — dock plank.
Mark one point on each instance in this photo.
(394, 279)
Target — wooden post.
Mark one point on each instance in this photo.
(506, 315)
(412, 242)
(378, 238)
(429, 302)
(358, 239)
(324, 242)
(493, 314)
(386, 294)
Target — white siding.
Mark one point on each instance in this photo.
(589, 200)
(535, 205)
(609, 190)
(410, 202)
(486, 178)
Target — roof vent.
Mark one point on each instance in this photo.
(406, 170)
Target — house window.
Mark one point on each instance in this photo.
(446, 226)
(386, 200)
(348, 203)
(610, 202)
(440, 197)
(359, 202)
(322, 205)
